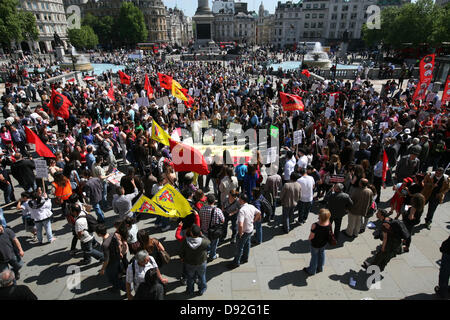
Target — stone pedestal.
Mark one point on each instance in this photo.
(59, 53)
(204, 26)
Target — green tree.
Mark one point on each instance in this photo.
(84, 37)
(103, 27)
(16, 25)
(441, 25)
(415, 23)
(131, 25)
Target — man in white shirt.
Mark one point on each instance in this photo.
(248, 214)
(306, 195)
(86, 238)
(289, 166)
(136, 271)
(303, 160)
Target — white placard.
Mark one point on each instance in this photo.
(143, 102)
(328, 112)
(181, 108)
(384, 125)
(331, 100)
(166, 100)
(272, 154)
(41, 169)
(314, 87)
(235, 128)
(160, 102)
(298, 137)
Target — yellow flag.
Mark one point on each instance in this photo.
(176, 91)
(146, 205)
(170, 199)
(158, 134)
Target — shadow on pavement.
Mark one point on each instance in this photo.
(57, 256)
(359, 279)
(300, 246)
(103, 295)
(296, 278)
(49, 275)
(94, 282)
(422, 296)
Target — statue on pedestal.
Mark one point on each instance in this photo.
(58, 41)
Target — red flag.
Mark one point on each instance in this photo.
(111, 92)
(41, 148)
(124, 78)
(187, 158)
(190, 100)
(291, 102)
(306, 73)
(165, 81)
(59, 105)
(148, 87)
(426, 67)
(385, 166)
(446, 93)
(426, 75)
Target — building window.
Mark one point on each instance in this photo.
(315, 6)
(353, 16)
(345, 8)
(334, 16)
(321, 16)
(343, 16)
(342, 26)
(308, 6)
(335, 8)
(322, 6)
(355, 7)
(313, 25)
(305, 34)
(333, 25)
(314, 15)
(320, 25)
(306, 25)
(307, 16)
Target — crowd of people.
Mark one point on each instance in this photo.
(337, 165)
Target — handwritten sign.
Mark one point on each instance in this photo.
(298, 137)
(41, 169)
(337, 178)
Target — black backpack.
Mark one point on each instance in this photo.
(399, 229)
(92, 222)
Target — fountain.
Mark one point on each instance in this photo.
(317, 58)
(80, 62)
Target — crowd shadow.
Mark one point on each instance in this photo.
(56, 256)
(422, 296)
(298, 247)
(296, 278)
(103, 295)
(359, 278)
(94, 282)
(48, 275)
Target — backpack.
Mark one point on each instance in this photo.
(399, 229)
(91, 221)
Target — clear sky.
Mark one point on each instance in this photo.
(189, 6)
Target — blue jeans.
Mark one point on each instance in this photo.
(212, 248)
(233, 220)
(47, 225)
(444, 275)
(258, 227)
(432, 206)
(243, 248)
(303, 210)
(8, 193)
(112, 273)
(288, 213)
(164, 221)
(105, 195)
(317, 259)
(99, 213)
(89, 252)
(29, 188)
(2, 218)
(192, 272)
(16, 264)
